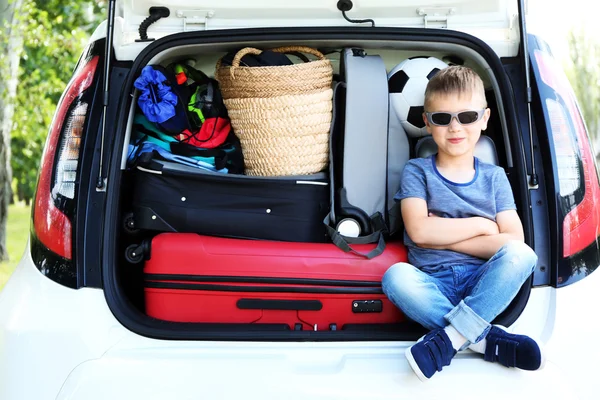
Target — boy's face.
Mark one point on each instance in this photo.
(457, 139)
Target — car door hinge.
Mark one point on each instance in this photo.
(436, 17)
(195, 20)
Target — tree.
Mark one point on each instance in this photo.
(10, 51)
(56, 32)
(40, 41)
(584, 75)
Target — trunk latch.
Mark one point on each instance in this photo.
(436, 17)
(195, 20)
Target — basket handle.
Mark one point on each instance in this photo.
(286, 49)
(300, 49)
(238, 57)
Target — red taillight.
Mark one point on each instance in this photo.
(52, 227)
(581, 225)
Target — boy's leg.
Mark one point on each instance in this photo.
(421, 297)
(418, 294)
(489, 292)
(492, 289)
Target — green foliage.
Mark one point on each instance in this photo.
(54, 34)
(584, 75)
(17, 232)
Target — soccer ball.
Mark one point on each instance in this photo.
(407, 82)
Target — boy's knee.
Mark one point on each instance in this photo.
(398, 275)
(521, 254)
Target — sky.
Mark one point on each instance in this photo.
(552, 19)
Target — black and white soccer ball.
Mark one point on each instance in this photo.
(407, 82)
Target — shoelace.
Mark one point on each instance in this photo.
(502, 350)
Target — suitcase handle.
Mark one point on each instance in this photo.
(277, 304)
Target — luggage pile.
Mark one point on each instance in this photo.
(298, 156)
(181, 117)
(320, 169)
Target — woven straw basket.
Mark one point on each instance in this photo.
(281, 114)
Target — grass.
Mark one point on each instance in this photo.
(17, 233)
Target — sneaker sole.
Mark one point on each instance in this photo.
(415, 367)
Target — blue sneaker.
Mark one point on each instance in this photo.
(430, 354)
(512, 350)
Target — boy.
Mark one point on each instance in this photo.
(464, 238)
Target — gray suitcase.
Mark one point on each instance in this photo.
(367, 157)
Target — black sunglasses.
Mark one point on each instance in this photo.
(463, 117)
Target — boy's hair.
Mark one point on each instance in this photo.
(455, 80)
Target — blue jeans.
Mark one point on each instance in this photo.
(468, 297)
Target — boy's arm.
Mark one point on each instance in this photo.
(486, 246)
(427, 230)
(508, 221)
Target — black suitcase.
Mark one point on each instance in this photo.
(172, 197)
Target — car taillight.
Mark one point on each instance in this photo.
(58, 167)
(567, 156)
(578, 179)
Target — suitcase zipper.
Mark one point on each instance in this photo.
(263, 280)
(262, 289)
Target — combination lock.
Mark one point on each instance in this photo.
(367, 306)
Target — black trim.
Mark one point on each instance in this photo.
(276, 304)
(50, 264)
(578, 266)
(137, 322)
(252, 279)
(260, 289)
(236, 327)
(259, 332)
(541, 219)
(548, 158)
(87, 236)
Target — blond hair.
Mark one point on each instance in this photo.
(455, 80)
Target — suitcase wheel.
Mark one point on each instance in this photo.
(134, 253)
(129, 224)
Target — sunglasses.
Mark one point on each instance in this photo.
(463, 117)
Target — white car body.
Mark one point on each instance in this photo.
(65, 344)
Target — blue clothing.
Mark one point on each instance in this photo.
(467, 296)
(487, 194)
(134, 151)
(157, 99)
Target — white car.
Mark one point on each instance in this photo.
(73, 323)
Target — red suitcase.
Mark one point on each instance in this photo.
(316, 286)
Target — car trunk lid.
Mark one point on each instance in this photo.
(493, 21)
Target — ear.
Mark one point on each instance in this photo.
(485, 118)
(427, 125)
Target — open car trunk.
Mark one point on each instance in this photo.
(176, 282)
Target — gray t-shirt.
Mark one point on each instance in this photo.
(485, 196)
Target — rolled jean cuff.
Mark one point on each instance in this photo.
(468, 323)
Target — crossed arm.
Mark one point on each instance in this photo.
(476, 236)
